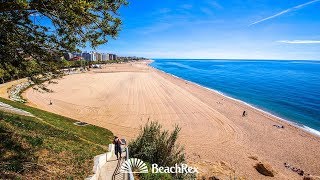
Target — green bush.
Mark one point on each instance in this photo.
(157, 146)
(154, 145)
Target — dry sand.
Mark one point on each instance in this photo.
(216, 137)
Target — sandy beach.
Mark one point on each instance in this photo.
(217, 139)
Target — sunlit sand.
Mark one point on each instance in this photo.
(216, 137)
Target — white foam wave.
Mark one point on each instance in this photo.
(303, 127)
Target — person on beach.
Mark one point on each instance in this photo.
(244, 113)
(117, 147)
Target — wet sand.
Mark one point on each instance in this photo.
(217, 139)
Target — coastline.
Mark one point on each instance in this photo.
(264, 112)
(122, 97)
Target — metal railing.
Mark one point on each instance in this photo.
(117, 175)
(130, 174)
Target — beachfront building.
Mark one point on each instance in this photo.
(77, 54)
(112, 57)
(93, 56)
(104, 57)
(68, 56)
(86, 56)
(98, 56)
(130, 58)
(89, 56)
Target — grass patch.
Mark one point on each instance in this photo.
(48, 148)
(91, 133)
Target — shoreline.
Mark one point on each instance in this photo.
(264, 112)
(123, 97)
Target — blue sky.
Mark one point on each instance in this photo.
(233, 29)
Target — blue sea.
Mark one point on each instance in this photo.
(287, 89)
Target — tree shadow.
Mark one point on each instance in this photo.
(17, 158)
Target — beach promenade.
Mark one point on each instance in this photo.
(217, 138)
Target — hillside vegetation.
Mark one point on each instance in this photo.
(47, 146)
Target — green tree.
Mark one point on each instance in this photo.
(2, 74)
(43, 30)
(12, 71)
(65, 63)
(32, 67)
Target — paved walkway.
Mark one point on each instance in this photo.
(8, 108)
(108, 170)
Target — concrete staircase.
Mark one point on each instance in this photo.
(107, 167)
(111, 170)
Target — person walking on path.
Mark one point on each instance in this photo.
(117, 147)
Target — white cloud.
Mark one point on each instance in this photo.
(285, 12)
(214, 4)
(300, 41)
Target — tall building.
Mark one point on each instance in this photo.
(76, 54)
(105, 57)
(89, 56)
(93, 56)
(86, 56)
(112, 57)
(68, 56)
(98, 56)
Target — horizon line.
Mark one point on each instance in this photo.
(234, 59)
